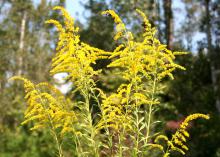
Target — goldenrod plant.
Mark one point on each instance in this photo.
(125, 123)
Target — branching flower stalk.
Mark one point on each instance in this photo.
(150, 112)
(141, 61)
(107, 129)
(151, 105)
(59, 147)
(46, 110)
(76, 58)
(124, 126)
(90, 122)
(178, 140)
(123, 33)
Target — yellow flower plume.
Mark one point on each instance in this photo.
(47, 107)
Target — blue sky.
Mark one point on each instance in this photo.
(76, 9)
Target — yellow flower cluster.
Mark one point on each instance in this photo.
(74, 57)
(47, 109)
(118, 108)
(120, 26)
(115, 111)
(192, 117)
(141, 63)
(178, 139)
(128, 111)
(144, 59)
(148, 30)
(177, 143)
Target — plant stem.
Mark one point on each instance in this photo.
(120, 145)
(58, 143)
(109, 136)
(89, 114)
(52, 127)
(137, 120)
(150, 108)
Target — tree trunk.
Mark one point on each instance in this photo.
(211, 54)
(21, 44)
(168, 17)
(160, 22)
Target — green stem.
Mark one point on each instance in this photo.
(152, 99)
(89, 114)
(120, 144)
(137, 134)
(51, 126)
(58, 144)
(150, 109)
(109, 136)
(137, 120)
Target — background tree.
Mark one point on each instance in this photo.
(168, 20)
(25, 49)
(199, 87)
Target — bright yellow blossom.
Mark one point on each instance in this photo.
(177, 143)
(127, 112)
(47, 109)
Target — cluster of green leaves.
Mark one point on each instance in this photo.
(124, 126)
